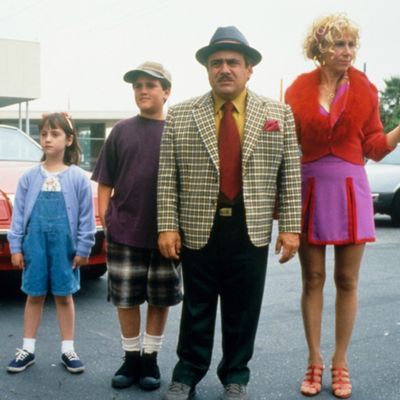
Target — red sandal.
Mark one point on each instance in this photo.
(341, 385)
(312, 382)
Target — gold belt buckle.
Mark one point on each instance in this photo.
(225, 212)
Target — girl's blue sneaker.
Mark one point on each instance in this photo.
(23, 359)
(72, 362)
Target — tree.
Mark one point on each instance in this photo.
(390, 103)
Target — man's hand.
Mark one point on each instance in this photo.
(287, 244)
(79, 261)
(17, 259)
(169, 243)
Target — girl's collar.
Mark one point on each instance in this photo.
(55, 172)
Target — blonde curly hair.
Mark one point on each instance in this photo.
(325, 31)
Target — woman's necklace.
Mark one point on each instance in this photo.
(329, 89)
(329, 92)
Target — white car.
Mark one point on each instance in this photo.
(384, 180)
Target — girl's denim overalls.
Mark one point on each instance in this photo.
(48, 249)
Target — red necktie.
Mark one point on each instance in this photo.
(229, 147)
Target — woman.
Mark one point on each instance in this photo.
(338, 124)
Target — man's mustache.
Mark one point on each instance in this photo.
(224, 77)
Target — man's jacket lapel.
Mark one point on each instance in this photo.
(255, 116)
(203, 114)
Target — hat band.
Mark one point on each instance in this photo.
(227, 41)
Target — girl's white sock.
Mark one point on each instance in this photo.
(67, 346)
(28, 344)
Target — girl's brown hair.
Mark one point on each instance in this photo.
(63, 121)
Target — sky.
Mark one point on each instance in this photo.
(87, 46)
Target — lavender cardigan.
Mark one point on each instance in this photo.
(76, 188)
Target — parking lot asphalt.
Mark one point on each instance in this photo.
(280, 355)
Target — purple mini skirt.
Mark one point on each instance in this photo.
(337, 202)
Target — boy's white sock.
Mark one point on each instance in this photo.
(152, 343)
(67, 346)
(28, 344)
(131, 344)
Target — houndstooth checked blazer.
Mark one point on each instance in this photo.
(188, 179)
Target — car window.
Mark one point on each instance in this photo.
(15, 146)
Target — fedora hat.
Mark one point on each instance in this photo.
(151, 68)
(228, 38)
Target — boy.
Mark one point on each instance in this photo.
(126, 172)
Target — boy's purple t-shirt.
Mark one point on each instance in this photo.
(128, 162)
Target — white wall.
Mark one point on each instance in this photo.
(19, 69)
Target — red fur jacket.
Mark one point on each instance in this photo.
(358, 132)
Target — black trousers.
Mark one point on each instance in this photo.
(232, 269)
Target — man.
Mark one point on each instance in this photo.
(126, 171)
(224, 157)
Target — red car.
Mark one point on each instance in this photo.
(18, 153)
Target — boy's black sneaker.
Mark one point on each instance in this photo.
(23, 359)
(72, 362)
(149, 372)
(129, 372)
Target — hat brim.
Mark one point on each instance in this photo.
(132, 75)
(253, 56)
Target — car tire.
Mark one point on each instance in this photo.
(395, 210)
(93, 272)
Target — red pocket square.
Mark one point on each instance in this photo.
(271, 125)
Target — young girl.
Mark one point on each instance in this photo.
(51, 236)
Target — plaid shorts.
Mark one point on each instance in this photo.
(136, 275)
